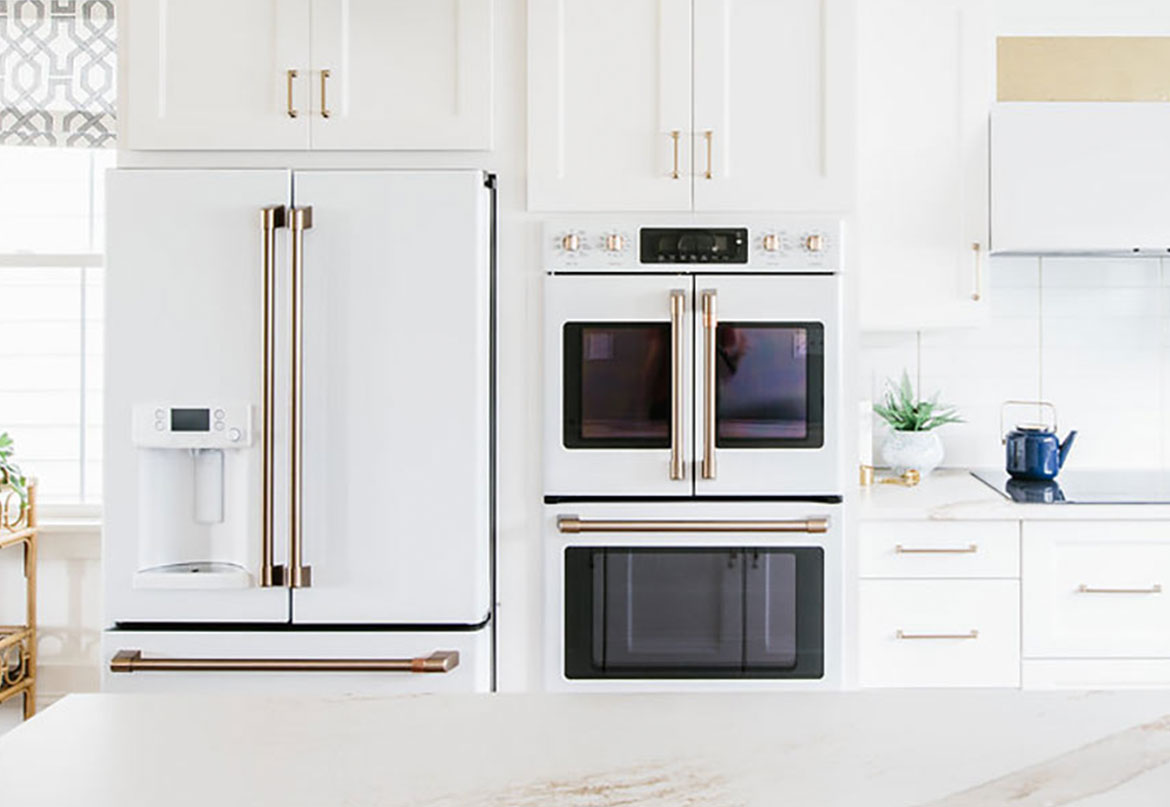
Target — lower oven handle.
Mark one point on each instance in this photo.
(574, 524)
(129, 661)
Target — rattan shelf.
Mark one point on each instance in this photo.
(18, 643)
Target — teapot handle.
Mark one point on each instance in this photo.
(1040, 404)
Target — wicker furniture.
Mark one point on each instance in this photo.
(18, 643)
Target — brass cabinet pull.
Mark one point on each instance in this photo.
(974, 634)
(272, 219)
(674, 135)
(325, 113)
(1084, 588)
(710, 323)
(575, 524)
(289, 75)
(130, 661)
(709, 136)
(299, 575)
(678, 302)
(977, 295)
(969, 549)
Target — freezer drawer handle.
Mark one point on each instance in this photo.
(1084, 588)
(129, 661)
(574, 524)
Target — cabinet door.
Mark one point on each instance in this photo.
(399, 74)
(214, 74)
(609, 105)
(925, 90)
(773, 105)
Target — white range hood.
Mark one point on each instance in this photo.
(1080, 178)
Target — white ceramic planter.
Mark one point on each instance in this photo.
(922, 451)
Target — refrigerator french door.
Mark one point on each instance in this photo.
(298, 424)
(692, 385)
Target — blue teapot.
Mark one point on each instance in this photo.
(1033, 450)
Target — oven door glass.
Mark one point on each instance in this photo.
(647, 612)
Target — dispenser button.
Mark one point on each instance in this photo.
(219, 414)
(234, 434)
(158, 425)
(219, 425)
(158, 413)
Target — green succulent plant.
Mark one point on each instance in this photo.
(907, 413)
(10, 473)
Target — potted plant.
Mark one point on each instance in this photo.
(10, 473)
(912, 442)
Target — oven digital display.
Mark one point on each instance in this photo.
(694, 245)
(190, 420)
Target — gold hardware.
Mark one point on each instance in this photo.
(770, 242)
(1086, 589)
(325, 113)
(1038, 404)
(969, 549)
(571, 242)
(272, 218)
(710, 324)
(18, 643)
(907, 479)
(299, 575)
(678, 302)
(709, 135)
(129, 661)
(674, 135)
(865, 476)
(289, 75)
(969, 635)
(978, 294)
(575, 524)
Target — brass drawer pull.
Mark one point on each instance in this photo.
(969, 549)
(974, 634)
(709, 136)
(325, 113)
(129, 661)
(1083, 588)
(977, 248)
(574, 524)
(674, 134)
(289, 75)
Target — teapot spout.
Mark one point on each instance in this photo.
(1066, 446)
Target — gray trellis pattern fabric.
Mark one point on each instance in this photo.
(58, 76)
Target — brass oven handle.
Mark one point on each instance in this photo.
(969, 549)
(1087, 589)
(272, 218)
(710, 324)
(678, 302)
(977, 295)
(674, 135)
(709, 136)
(299, 575)
(325, 113)
(130, 661)
(973, 634)
(576, 524)
(289, 75)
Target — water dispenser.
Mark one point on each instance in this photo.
(193, 495)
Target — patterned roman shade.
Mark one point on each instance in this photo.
(58, 76)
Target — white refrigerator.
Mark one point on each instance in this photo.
(299, 431)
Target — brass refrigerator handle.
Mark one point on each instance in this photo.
(977, 248)
(272, 219)
(325, 113)
(709, 135)
(710, 323)
(299, 575)
(130, 661)
(289, 75)
(678, 302)
(674, 135)
(576, 524)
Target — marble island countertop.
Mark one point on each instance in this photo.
(954, 494)
(957, 748)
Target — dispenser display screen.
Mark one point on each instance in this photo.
(190, 420)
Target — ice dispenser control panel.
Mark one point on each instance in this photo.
(193, 426)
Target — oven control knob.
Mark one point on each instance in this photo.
(814, 242)
(571, 242)
(771, 242)
(614, 242)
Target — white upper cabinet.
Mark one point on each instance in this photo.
(925, 91)
(400, 74)
(691, 105)
(609, 104)
(299, 74)
(773, 105)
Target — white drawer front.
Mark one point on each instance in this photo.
(940, 549)
(940, 633)
(1096, 589)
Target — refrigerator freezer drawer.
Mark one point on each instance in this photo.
(300, 662)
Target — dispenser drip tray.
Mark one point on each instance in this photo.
(197, 575)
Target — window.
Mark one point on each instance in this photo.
(51, 244)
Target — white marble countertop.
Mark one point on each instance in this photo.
(953, 494)
(957, 748)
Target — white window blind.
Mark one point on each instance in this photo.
(51, 244)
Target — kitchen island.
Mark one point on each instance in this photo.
(958, 748)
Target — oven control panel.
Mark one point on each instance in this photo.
(756, 244)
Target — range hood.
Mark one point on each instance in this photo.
(1080, 179)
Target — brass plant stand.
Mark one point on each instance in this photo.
(18, 643)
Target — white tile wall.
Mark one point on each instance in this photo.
(1091, 335)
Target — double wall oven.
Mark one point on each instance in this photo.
(692, 469)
